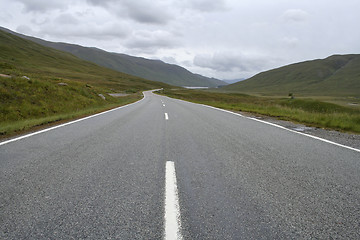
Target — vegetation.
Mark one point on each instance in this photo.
(57, 85)
(308, 111)
(338, 75)
(150, 69)
(60, 86)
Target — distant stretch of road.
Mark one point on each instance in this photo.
(163, 168)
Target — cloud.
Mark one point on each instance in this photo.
(42, 6)
(233, 65)
(146, 11)
(216, 62)
(99, 2)
(227, 62)
(290, 41)
(246, 34)
(66, 19)
(187, 63)
(141, 11)
(87, 30)
(151, 41)
(24, 29)
(169, 59)
(295, 15)
(205, 5)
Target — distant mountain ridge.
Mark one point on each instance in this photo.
(232, 81)
(154, 70)
(20, 56)
(337, 75)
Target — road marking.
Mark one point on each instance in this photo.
(305, 134)
(287, 129)
(275, 125)
(166, 116)
(163, 105)
(68, 123)
(172, 208)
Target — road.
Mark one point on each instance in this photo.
(105, 177)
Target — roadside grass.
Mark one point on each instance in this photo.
(10, 128)
(20, 57)
(58, 86)
(28, 103)
(307, 111)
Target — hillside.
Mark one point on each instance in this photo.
(29, 57)
(155, 70)
(232, 81)
(40, 85)
(337, 75)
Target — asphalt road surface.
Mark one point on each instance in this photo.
(234, 178)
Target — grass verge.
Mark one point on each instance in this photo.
(307, 111)
(8, 129)
(29, 103)
(40, 85)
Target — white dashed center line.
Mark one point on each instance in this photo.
(166, 116)
(172, 208)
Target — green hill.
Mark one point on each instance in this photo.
(155, 70)
(337, 75)
(40, 84)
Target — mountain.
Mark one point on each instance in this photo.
(337, 75)
(40, 85)
(232, 81)
(20, 56)
(155, 70)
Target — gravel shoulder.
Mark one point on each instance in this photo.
(348, 139)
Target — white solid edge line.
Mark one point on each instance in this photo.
(276, 125)
(172, 209)
(166, 116)
(68, 123)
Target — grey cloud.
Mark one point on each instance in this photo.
(227, 62)
(105, 31)
(6, 17)
(158, 12)
(147, 12)
(295, 15)
(290, 41)
(24, 29)
(148, 41)
(42, 6)
(37, 21)
(142, 11)
(187, 63)
(99, 2)
(245, 33)
(169, 59)
(206, 5)
(66, 18)
(218, 63)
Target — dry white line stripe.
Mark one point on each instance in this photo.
(65, 124)
(163, 105)
(276, 125)
(166, 116)
(172, 208)
(287, 129)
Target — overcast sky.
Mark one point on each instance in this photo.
(226, 39)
